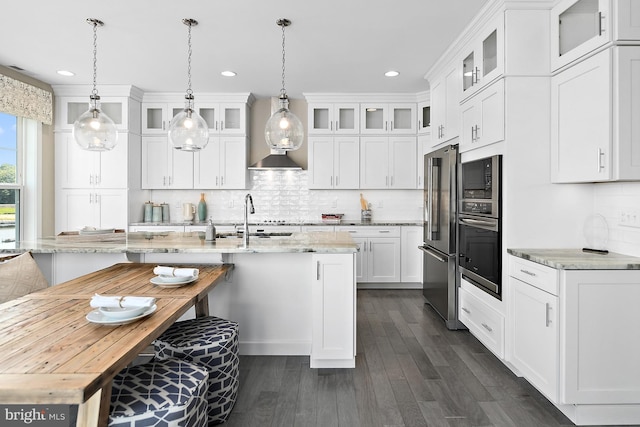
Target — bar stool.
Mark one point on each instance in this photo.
(210, 342)
(168, 392)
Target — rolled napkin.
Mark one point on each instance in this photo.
(177, 272)
(121, 301)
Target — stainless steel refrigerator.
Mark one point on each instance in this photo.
(439, 261)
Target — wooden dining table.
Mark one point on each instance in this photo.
(51, 354)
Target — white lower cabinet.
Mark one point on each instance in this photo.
(378, 256)
(572, 338)
(483, 321)
(333, 315)
(410, 256)
(76, 209)
(534, 344)
(156, 228)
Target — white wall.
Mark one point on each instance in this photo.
(284, 195)
(612, 201)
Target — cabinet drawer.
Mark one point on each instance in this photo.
(483, 322)
(538, 275)
(370, 231)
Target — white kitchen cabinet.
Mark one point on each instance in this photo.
(410, 256)
(445, 106)
(333, 298)
(535, 336)
(483, 117)
(483, 321)
(79, 208)
(388, 162)
(424, 117)
(378, 256)
(156, 116)
(69, 108)
(334, 162)
(157, 228)
(318, 228)
(334, 118)
(594, 106)
(484, 59)
(381, 118)
(424, 147)
(78, 168)
(567, 339)
(579, 27)
(222, 164)
(224, 118)
(164, 167)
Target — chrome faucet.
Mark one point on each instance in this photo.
(248, 200)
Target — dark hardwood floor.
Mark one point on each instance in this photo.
(410, 371)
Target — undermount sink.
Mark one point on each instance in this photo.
(259, 235)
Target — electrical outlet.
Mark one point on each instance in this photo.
(230, 203)
(630, 218)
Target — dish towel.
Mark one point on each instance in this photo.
(121, 301)
(177, 272)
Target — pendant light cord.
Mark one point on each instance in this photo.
(283, 92)
(189, 91)
(94, 92)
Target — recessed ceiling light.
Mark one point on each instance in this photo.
(391, 73)
(228, 73)
(66, 73)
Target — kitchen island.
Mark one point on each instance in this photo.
(291, 294)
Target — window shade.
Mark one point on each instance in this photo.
(24, 100)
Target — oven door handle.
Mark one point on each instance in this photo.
(433, 254)
(487, 224)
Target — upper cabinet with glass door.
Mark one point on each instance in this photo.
(230, 118)
(68, 109)
(579, 27)
(388, 118)
(328, 118)
(484, 60)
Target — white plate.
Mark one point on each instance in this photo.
(95, 316)
(97, 231)
(172, 283)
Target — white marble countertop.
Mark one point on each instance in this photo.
(387, 223)
(191, 242)
(576, 259)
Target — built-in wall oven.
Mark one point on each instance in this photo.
(479, 224)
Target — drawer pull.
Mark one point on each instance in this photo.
(547, 316)
(487, 327)
(466, 310)
(528, 272)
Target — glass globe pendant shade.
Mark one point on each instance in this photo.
(284, 130)
(188, 131)
(94, 130)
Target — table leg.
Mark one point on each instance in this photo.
(95, 411)
(202, 307)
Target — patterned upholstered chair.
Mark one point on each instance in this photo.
(212, 343)
(20, 275)
(160, 393)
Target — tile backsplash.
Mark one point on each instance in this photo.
(619, 204)
(284, 195)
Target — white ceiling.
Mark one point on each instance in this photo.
(331, 46)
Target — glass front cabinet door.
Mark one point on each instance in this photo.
(334, 118)
(483, 61)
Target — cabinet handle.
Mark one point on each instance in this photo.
(163, 125)
(385, 125)
(391, 185)
(473, 129)
(600, 156)
(487, 327)
(222, 181)
(465, 309)
(331, 126)
(528, 272)
(97, 198)
(216, 181)
(547, 321)
(600, 17)
(164, 180)
(170, 179)
(419, 124)
(317, 270)
(337, 180)
(221, 125)
(384, 231)
(391, 128)
(474, 75)
(477, 129)
(98, 179)
(90, 198)
(331, 181)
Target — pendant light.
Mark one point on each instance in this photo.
(94, 130)
(188, 131)
(284, 130)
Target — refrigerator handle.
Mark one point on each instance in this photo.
(433, 198)
(433, 254)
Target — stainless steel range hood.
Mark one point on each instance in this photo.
(276, 160)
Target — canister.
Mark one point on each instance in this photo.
(365, 215)
(157, 213)
(165, 212)
(148, 212)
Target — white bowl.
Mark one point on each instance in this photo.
(173, 279)
(122, 313)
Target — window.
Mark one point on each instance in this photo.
(10, 179)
